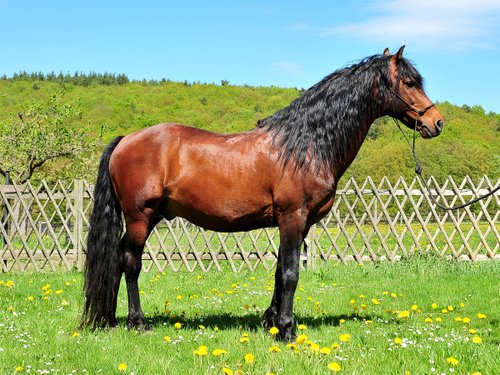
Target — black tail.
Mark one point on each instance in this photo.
(102, 272)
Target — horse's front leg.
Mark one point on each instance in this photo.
(280, 313)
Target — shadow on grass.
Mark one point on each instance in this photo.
(250, 322)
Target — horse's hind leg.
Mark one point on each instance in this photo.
(132, 246)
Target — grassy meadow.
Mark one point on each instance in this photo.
(422, 315)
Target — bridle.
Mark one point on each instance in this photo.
(418, 166)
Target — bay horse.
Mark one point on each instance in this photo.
(284, 173)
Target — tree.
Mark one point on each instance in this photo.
(40, 133)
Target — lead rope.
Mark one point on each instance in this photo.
(418, 169)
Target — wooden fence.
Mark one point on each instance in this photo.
(44, 228)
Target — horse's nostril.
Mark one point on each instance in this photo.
(439, 125)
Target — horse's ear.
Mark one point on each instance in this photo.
(386, 52)
(399, 55)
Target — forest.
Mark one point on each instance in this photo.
(93, 108)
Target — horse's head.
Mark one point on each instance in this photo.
(408, 102)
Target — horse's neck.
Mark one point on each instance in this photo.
(353, 147)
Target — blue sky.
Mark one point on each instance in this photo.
(454, 43)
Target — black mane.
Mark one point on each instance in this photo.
(323, 124)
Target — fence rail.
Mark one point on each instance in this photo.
(45, 227)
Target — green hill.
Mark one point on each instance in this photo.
(469, 145)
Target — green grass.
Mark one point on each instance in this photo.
(39, 322)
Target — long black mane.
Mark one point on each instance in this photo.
(325, 122)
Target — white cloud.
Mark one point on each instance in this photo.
(452, 24)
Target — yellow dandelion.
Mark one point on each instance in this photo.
(439, 319)
(178, 325)
(292, 346)
(345, 337)
(325, 350)
(466, 320)
(428, 320)
(462, 305)
(476, 373)
(75, 334)
(274, 331)
(444, 311)
(404, 314)
(335, 345)
(301, 339)
(227, 371)
(352, 302)
(458, 319)
(244, 339)
(167, 338)
(434, 306)
(249, 358)
(314, 347)
(201, 351)
(201, 327)
(481, 316)
(342, 321)
(122, 367)
(398, 341)
(9, 283)
(334, 367)
(452, 361)
(394, 295)
(477, 340)
(64, 302)
(385, 293)
(301, 327)
(472, 331)
(59, 291)
(450, 308)
(31, 298)
(274, 349)
(375, 301)
(19, 368)
(219, 352)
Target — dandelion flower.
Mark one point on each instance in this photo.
(450, 308)
(201, 327)
(398, 341)
(122, 367)
(249, 358)
(274, 331)
(404, 314)
(19, 368)
(227, 371)
(335, 345)
(434, 306)
(481, 316)
(477, 340)
(31, 298)
(342, 321)
(334, 367)
(201, 351)
(452, 361)
(439, 319)
(345, 337)
(10, 284)
(301, 327)
(274, 349)
(301, 339)
(219, 352)
(466, 320)
(414, 307)
(394, 295)
(292, 346)
(375, 301)
(75, 334)
(472, 331)
(325, 351)
(178, 325)
(59, 291)
(167, 338)
(428, 320)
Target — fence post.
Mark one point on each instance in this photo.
(78, 228)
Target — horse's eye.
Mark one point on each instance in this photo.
(410, 84)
